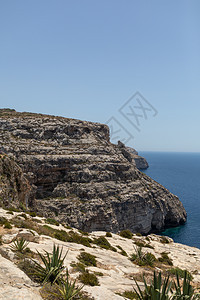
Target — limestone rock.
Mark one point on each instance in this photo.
(77, 176)
(14, 188)
(15, 284)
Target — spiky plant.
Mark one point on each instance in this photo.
(138, 256)
(19, 245)
(184, 290)
(66, 289)
(157, 290)
(53, 266)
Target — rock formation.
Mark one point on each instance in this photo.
(140, 161)
(14, 188)
(79, 177)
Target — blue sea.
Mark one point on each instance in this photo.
(180, 174)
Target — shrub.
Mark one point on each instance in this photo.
(149, 259)
(103, 243)
(7, 225)
(78, 267)
(138, 234)
(88, 278)
(129, 294)
(141, 258)
(3, 220)
(83, 232)
(52, 221)
(164, 240)
(10, 212)
(98, 273)
(108, 234)
(87, 259)
(123, 252)
(165, 259)
(126, 234)
(143, 244)
(180, 272)
(139, 243)
(23, 216)
(32, 214)
(28, 267)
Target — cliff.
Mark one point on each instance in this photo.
(14, 188)
(140, 162)
(80, 178)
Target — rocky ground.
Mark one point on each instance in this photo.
(114, 269)
(76, 175)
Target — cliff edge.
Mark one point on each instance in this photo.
(79, 177)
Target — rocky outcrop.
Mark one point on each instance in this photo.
(14, 188)
(140, 161)
(79, 177)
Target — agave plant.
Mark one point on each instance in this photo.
(142, 258)
(138, 256)
(53, 266)
(19, 245)
(185, 290)
(158, 289)
(66, 289)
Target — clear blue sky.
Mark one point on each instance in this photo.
(84, 58)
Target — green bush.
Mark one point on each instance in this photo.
(108, 234)
(23, 216)
(88, 279)
(164, 240)
(123, 252)
(7, 225)
(180, 272)
(104, 243)
(143, 244)
(142, 258)
(126, 234)
(87, 259)
(3, 220)
(10, 212)
(165, 259)
(129, 294)
(32, 214)
(78, 267)
(28, 267)
(52, 221)
(138, 234)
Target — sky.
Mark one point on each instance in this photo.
(134, 65)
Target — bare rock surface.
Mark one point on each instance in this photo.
(140, 162)
(77, 176)
(115, 272)
(15, 284)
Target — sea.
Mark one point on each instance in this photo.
(180, 174)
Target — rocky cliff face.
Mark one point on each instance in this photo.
(79, 177)
(140, 161)
(15, 190)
